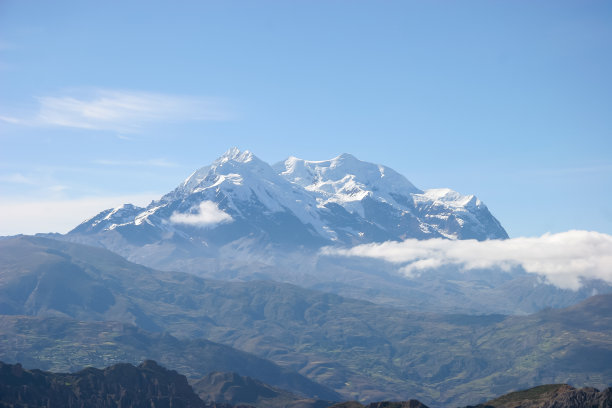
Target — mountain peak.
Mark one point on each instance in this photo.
(236, 155)
(345, 156)
(233, 161)
(344, 173)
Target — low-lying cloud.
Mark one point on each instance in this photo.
(562, 259)
(206, 215)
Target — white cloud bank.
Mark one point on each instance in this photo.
(207, 214)
(562, 259)
(120, 110)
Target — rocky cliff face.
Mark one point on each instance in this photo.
(122, 385)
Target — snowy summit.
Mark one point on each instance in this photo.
(341, 201)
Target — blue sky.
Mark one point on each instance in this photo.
(104, 102)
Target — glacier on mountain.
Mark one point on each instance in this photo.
(313, 203)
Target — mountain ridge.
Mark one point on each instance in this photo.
(345, 201)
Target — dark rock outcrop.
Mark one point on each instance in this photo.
(122, 385)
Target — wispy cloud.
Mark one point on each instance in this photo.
(39, 180)
(17, 178)
(562, 259)
(12, 120)
(206, 215)
(134, 163)
(120, 110)
(28, 216)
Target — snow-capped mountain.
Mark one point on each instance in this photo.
(241, 219)
(297, 202)
(377, 196)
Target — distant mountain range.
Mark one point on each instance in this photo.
(242, 219)
(359, 349)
